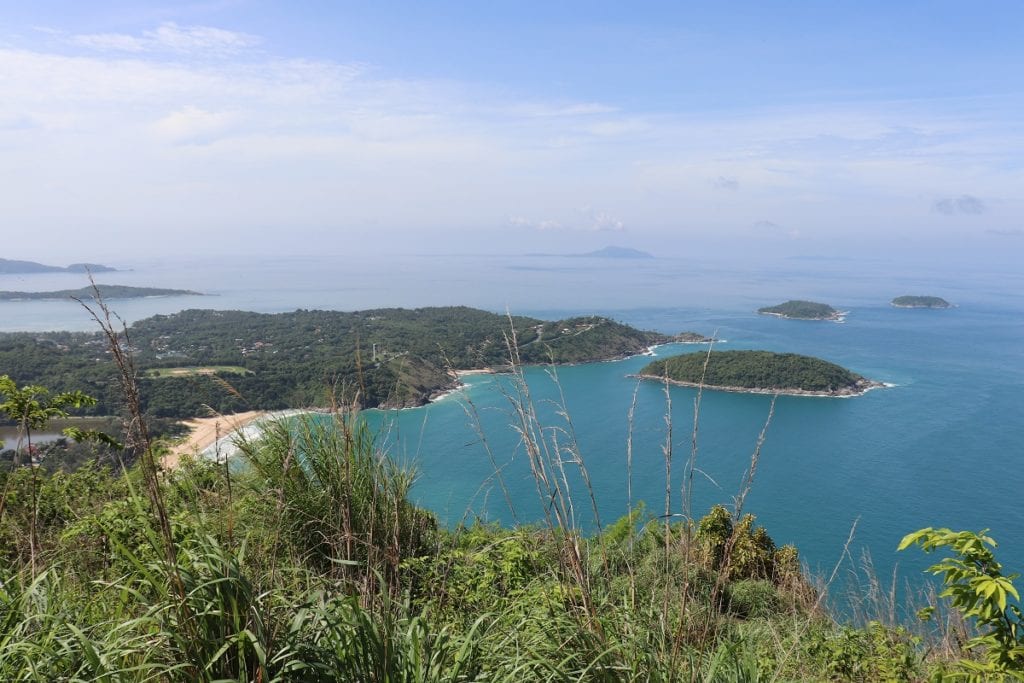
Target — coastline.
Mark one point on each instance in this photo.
(457, 385)
(837, 317)
(205, 432)
(862, 388)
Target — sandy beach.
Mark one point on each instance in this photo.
(205, 431)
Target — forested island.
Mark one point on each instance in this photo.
(105, 291)
(920, 302)
(11, 267)
(797, 309)
(378, 358)
(759, 372)
(692, 338)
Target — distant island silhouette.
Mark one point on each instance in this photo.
(8, 266)
(606, 252)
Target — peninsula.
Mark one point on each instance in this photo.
(10, 267)
(920, 302)
(761, 372)
(796, 309)
(106, 291)
(237, 360)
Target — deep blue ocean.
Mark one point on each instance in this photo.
(942, 447)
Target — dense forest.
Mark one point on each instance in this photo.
(762, 370)
(801, 310)
(386, 357)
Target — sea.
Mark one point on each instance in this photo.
(842, 479)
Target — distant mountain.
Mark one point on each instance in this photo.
(9, 267)
(607, 252)
(617, 252)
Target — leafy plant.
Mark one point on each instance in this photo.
(976, 586)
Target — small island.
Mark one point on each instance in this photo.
(759, 372)
(920, 302)
(10, 267)
(796, 309)
(693, 338)
(105, 291)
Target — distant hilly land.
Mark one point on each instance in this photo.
(607, 252)
(105, 291)
(11, 267)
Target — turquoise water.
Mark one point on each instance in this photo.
(942, 447)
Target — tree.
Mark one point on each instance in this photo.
(32, 408)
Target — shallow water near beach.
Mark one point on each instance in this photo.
(940, 448)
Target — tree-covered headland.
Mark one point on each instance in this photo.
(384, 357)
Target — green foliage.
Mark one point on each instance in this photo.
(32, 407)
(976, 586)
(343, 503)
(384, 357)
(873, 653)
(742, 549)
(755, 370)
(753, 599)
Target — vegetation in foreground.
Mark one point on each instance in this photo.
(310, 564)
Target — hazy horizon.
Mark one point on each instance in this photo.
(134, 130)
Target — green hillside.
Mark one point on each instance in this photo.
(383, 357)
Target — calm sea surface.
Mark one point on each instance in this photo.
(943, 447)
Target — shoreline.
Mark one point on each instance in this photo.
(837, 317)
(205, 432)
(869, 385)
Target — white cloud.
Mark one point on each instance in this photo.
(192, 124)
(110, 41)
(133, 135)
(173, 38)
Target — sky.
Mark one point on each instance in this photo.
(246, 126)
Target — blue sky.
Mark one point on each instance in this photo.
(779, 128)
